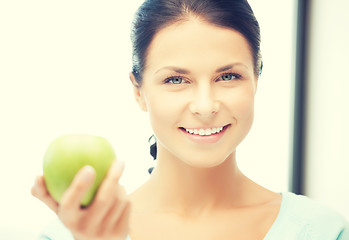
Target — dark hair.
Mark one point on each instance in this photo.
(154, 15)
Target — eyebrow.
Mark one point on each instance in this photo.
(186, 71)
(230, 66)
(175, 69)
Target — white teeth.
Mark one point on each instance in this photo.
(202, 132)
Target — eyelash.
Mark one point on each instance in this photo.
(235, 75)
(169, 79)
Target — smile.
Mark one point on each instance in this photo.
(205, 135)
(202, 131)
(205, 131)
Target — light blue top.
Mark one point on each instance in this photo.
(299, 219)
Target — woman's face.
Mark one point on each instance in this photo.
(198, 87)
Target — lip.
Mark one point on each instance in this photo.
(205, 138)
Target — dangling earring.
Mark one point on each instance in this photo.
(153, 150)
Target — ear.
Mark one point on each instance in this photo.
(138, 93)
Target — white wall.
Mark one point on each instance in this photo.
(264, 154)
(327, 154)
(64, 69)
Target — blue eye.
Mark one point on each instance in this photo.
(174, 80)
(229, 76)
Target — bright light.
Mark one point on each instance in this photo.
(65, 68)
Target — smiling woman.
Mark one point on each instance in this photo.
(196, 65)
(199, 99)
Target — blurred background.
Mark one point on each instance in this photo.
(64, 69)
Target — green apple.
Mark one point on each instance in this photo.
(66, 155)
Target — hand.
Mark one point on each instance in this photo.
(108, 215)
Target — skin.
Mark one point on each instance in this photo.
(196, 190)
(108, 215)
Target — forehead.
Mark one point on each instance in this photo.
(196, 43)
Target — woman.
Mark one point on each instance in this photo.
(196, 65)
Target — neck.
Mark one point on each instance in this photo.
(184, 189)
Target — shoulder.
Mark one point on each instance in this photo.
(305, 209)
(56, 231)
(309, 218)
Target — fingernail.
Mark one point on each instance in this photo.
(88, 173)
(117, 167)
(121, 164)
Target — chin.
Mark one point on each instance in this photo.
(204, 162)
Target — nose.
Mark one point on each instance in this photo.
(204, 104)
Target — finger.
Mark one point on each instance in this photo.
(108, 193)
(39, 191)
(114, 215)
(121, 226)
(115, 171)
(83, 180)
(111, 182)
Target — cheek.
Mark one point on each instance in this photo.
(241, 109)
(241, 105)
(165, 108)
